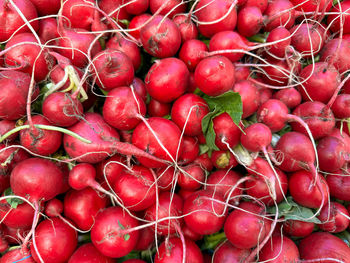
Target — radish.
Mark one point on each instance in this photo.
(109, 169)
(147, 239)
(223, 159)
(249, 21)
(190, 150)
(161, 37)
(6, 126)
(137, 23)
(55, 240)
(312, 6)
(340, 107)
(338, 23)
(110, 232)
(158, 109)
(79, 13)
(191, 178)
(277, 34)
(339, 183)
(53, 208)
(19, 217)
(291, 97)
(46, 7)
(331, 153)
(227, 132)
(276, 14)
(189, 234)
(137, 7)
(262, 4)
(169, 8)
(223, 182)
(167, 79)
(241, 72)
(11, 19)
(249, 95)
(204, 162)
(113, 9)
(87, 253)
(140, 88)
(298, 228)
(191, 53)
(334, 218)
(227, 253)
(48, 30)
(19, 254)
(188, 29)
(332, 51)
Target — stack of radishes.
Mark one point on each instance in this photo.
(174, 131)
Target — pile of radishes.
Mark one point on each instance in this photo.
(174, 131)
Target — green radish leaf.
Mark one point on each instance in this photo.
(203, 148)
(211, 241)
(13, 202)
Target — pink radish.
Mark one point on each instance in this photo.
(188, 29)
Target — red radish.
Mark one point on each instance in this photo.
(110, 232)
(11, 19)
(223, 182)
(142, 183)
(4, 180)
(262, 4)
(277, 16)
(6, 126)
(336, 22)
(40, 141)
(87, 253)
(112, 8)
(122, 108)
(129, 48)
(324, 246)
(20, 217)
(3, 244)
(165, 178)
(190, 150)
(298, 228)
(47, 7)
(48, 30)
(256, 137)
(280, 249)
(81, 176)
(53, 208)
(137, 23)
(55, 240)
(191, 53)
(140, 88)
(168, 205)
(82, 207)
(227, 132)
(10, 157)
(265, 95)
(277, 34)
(215, 16)
(223, 159)
(339, 184)
(158, 109)
(167, 79)
(169, 8)
(241, 72)
(277, 72)
(192, 178)
(331, 153)
(249, 95)
(161, 37)
(249, 21)
(291, 97)
(341, 136)
(332, 53)
(203, 215)
(79, 13)
(334, 218)
(188, 233)
(137, 7)
(113, 69)
(312, 6)
(19, 254)
(188, 29)
(246, 228)
(189, 110)
(28, 56)
(61, 109)
(302, 191)
(341, 107)
(111, 167)
(134, 261)
(227, 253)
(317, 75)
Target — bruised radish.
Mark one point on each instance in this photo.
(87, 253)
(227, 253)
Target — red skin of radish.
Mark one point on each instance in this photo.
(298, 228)
(147, 239)
(28, 55)
(3, 244)
(249, 21)
(80, 13)
(188, 29)
(5, 126)
(17, 254)
(333, 220)
(278, 76)
(45, 7)
(154, 5)
(320, 120)
(108, 233)
(129, 48)
(224, 40)
(165, 177)
(245, 230)
(122, 107)
(191, 51)
(136, 188)
(332, 53)
(4, 180)
(249, 95)
(53, 208)
(278, 6)
(158, 109)
(11, 234)
(291, 97)
(82, 207)
(193, 180)
(168, 206)
(61, 109)
(222, 181)
(202, 213)
(331, 153)
(75, 44)
(111, 169)
(171, 251)
(339, 185)
(189, 234)
(273, 113)
(10, 20)
(311, 6)
(55, 240)
(241, 73)
(280, 249)
(341, 106)
(161, 37)
(30, 179)
(262, 4)
(81, 176)
(138, 22)
(215, 10)
(134, 261)
(137, 7)
(215, 75)
(10, 157)
(223, 159)
(226, 129)
(21, 217)
(299, 188)
(40, 141)
(168, 134)
(140, 88)
(322, 245)
(256, 136)
(111, 7)
(48, 29)
(321, 74)
(87, 253)
(189, 109)
(278, 49)
(335, 19)
(227, 253)
(167, 79)
(265, 95)
(113, 68)
(190, 149)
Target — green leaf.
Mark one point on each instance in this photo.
(121, 225)
(13, 202)
(211, 241)
(203, 148)
(126, 237)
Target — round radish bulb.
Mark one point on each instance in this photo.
(167, 79)
(190, 150)
(6, 126)
(140, 88)
(188, 29)
(81, 176)
(122, 108)
(256, 137)
(79, 13)
(277, 34)
(147, 239)
(55, 240)
(114, 10)
(192, 178)
(262, 4)
(310, 6)
(276, 14)
(227, 253)
(45, 7)
(161, 37)
(249, 95)
(223, 160)
(169, 8)
(110, 232)
(53, 208)
(190, 53)
(215, 75)
(18, 254)
(280, 249)
(48, 30)
(189, 110)
(334, 218)
(341, 106)
(158, 109)
(298, 228)
(291, 97)
(137, 23)
(223, 181)
(111, 168)
(331, 153)
(10, 157)
(227, 132)
(241, 72)
(87, 253)
(137, 7)
(249, 21)
(223, 12)
(165, 178)
(339, 185)
(333, 51)
(277, 72)
(335, 21)
(19, 217)
(189, 234)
